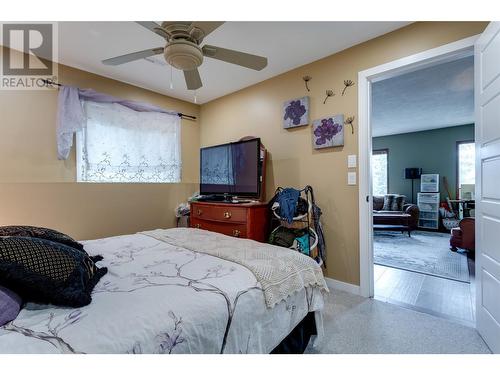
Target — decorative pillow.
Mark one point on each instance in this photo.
(38, 232)
(398, 203)
(47, 272)
(393, 202)
(10, 305)
(388, 202)
(46, 234)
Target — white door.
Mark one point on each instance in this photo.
(487, 97)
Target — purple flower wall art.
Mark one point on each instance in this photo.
(296, 112)
(328, 132)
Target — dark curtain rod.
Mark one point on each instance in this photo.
(181, 115)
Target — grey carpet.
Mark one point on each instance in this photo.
(424, 252)
(355, 325)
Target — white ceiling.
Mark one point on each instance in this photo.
(435, 97)
(287, 45)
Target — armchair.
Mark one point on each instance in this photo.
(464, 236)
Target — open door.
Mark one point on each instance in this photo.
(487, 97)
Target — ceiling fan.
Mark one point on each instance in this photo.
(183, 50)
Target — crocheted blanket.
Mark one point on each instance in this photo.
(280, 271)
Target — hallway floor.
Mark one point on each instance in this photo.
(446, 298)
(401, 277)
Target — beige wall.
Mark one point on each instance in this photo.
(38, 189)
(87, 211)
(257, 111)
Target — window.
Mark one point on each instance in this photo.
(466, 164)
(118, 144)
(380, 175)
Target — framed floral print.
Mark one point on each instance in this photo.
(328, 131)
(296, 112)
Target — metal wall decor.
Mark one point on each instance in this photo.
(349, 121)
(328, 94)
(306, 81)
(347, 83)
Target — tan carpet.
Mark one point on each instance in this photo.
(354, 324)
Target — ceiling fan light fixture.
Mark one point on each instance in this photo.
(183, 50)
(183, 55)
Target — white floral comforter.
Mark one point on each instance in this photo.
(158, 298)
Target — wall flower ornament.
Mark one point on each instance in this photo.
(296, 112)
(347, 83)
(306, 81)
(328, 94)
(328, 132)
(349, 121)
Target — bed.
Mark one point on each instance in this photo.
(162, 295)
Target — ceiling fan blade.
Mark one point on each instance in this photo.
(193, 79)
(133, 56)
(235, 57)
(154, 27)
(207, 26)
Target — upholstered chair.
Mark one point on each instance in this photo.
(464, 236)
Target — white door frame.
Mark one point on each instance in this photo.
(448, 52)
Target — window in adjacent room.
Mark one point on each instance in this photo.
(119, 144)
(466, 168)
(380, 175)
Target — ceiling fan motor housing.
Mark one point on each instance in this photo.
(183, 55)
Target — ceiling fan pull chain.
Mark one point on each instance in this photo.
(171, 81)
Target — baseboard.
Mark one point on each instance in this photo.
(340, 285)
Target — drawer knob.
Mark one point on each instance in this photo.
(197, 226)
(227, 215)
(236, 233)
(199, 212)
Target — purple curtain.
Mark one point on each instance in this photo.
(71, 116)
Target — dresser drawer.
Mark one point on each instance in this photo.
(230, 229)
(244, 220)
(220, 213)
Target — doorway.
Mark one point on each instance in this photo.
(399, 282)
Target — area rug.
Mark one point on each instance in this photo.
(423, 252)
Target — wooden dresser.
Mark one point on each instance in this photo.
(245, 220)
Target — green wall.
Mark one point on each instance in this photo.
(435, 151)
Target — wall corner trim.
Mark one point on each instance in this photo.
(340, 285)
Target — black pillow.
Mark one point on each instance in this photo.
(47, 272)
(388, 202)
(38, 232)
(46, 234)
(398, 203)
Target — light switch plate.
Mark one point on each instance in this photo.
(351, 178)
(352, 161)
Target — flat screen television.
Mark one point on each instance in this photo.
(231, 169)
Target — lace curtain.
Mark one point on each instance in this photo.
(119, 144)
(118, 140)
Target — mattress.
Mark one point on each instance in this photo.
(160, 298)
